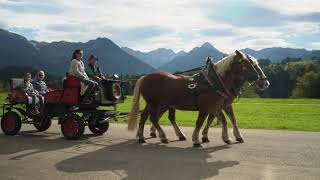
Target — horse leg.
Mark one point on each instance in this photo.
(223, 121)
(195, 136)
(236, 132)
(205, 131)
(172, 118)
(154, 117)
(144, 116)
(153, 130)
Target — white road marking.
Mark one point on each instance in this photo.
(281, 104)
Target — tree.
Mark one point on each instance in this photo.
(308, 85)
(249, 92)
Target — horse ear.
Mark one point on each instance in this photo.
(238, 53)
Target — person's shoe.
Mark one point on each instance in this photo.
(73, 108)
(87, 101)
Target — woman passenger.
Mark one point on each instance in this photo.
(77, 69)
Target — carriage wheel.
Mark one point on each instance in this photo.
(42, 125)
(72, 127)
(98, 128)
(11, 123)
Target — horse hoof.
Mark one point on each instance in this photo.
(182, 138)
(205, 140)
(164, 141)
(197, 145)
(141, 141)
(240, 140)
(227, 141)
(153, 135)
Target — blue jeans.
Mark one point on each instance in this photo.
(92, 86)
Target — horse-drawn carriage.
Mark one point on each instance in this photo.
(66, 104)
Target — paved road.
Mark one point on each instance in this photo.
(264, 155)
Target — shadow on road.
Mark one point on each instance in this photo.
(125, 159)
(32, 142)
(130, 160)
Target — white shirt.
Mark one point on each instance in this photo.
(77, 69)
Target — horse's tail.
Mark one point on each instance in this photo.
(133, 116)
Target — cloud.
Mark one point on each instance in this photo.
(3, 24)
(39, 7)
(139, 33)
(289, 7)
(308, 17)
(316, 45)
(66, 27)
(256, 16)
(219, 32)
(119, 34)
(26, 32)
(175, 24)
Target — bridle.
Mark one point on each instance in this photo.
(238, 90)
(261, 75)
(221, 88)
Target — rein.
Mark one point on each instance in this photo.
(190, 70)
(226, 93)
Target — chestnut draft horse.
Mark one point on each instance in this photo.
(261, 84)
(163, 90)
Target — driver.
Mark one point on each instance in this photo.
(93, 70)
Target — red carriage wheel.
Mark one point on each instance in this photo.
(72, 127)
(11, 123)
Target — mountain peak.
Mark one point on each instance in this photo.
(207, 45)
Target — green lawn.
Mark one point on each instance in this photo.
(259, 113)
(289, 114)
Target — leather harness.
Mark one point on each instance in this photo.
(215, 83)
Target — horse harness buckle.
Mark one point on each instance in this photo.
(192, 86)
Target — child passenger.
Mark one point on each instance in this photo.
(27, 87)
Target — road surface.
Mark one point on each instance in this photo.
(266, 154)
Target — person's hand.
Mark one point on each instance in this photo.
(96, 78)
(86, 78)
(99, 79)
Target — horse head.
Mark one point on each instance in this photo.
(244, 68)
(262, 83)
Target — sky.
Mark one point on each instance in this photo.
(176, 24)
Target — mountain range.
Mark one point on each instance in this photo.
(155, 58)
(276, 54)
(194, 58)
(54, 57)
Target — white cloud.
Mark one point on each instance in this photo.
(290, 6)
(316, 45)
(177, 24)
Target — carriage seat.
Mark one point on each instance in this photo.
(15, 82)
(73, 90)
(74, 82)
(17, 95)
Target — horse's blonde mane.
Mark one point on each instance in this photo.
(254, 60)
(225, 63)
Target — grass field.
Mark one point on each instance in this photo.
(288, 114)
